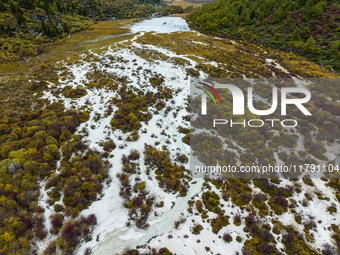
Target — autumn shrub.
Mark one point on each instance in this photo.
(265, 248)
(225, 196)
(74, 232)
(199, 205)
(266, 235)
(108, 146)
(329, 250)
(290, 237)
(70, 92)
(134, 155)
(40, 232)
(38, 84)
(168, 174)
(57, 222)
(211, 200)
(237, 219)
(156, 80)
(278, 204)
(197, 229)
(227, 237)
(182, 159)
(218, 223)
(138, 201)
(242, 199)
(29, 151)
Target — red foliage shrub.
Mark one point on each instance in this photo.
(266, 235)
(74, 231)
(238, 217)
(138, 201)
(227, 237)
(329, 250)
(28, 223)
(184, 188)
(260, 197)
(251, 218)
(225, 196)
(128, 191)
(40, 232)
(245, 197)
(265, 248)
(281, 200)
(57, 222)
(90, 220)
(290, 237)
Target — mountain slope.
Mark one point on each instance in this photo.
(309, 28)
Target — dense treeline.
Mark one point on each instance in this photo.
(27, 26)
(305, 27)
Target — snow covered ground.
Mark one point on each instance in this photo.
(111, 235)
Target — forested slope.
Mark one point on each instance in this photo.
(309, 28)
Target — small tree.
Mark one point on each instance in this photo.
(309, 46)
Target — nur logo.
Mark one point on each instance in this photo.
(238, 99)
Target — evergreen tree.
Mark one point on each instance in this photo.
(330, 23)
(305, 33)
(20, 18)
(66, 28)
(27, 4)
(296, 35)
(12, 7)
(9, 30)
(43, 28)
(309, 8)
(318, 9)
(48, 31)
(60, 9)
(253, 13)
(19, 10)
(334, 49)
(309, 46)
(2, 7)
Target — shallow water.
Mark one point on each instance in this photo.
(162, 25)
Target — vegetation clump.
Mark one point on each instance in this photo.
(70, 92)
(278, 204)
(133, 107)
(169, 175)
(75, 232)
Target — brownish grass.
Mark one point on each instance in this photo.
(100, 35)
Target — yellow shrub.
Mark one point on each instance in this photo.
(7, 238)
